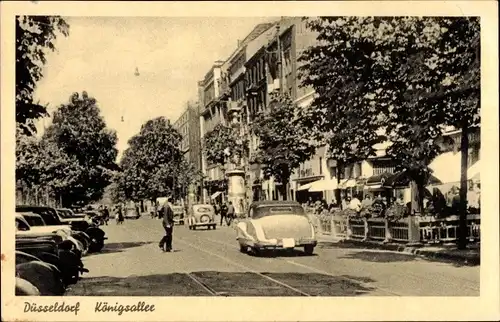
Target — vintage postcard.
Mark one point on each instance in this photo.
(249, 161)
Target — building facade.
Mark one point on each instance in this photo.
(188, 125)
(212, 113)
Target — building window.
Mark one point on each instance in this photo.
(320, 165)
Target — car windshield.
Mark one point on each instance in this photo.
(266, 211)
(49, 217)
(21, 225)
(203, 209)
(34, 221)
(63, 213)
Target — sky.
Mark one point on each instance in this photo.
(172, 54)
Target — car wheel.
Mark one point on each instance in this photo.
(256, 251)
(243, 248)
(309, 249)
(214, 227)
(96, 246)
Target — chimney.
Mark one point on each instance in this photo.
(239, 43)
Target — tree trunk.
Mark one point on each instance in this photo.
(338, 197)
(462, 215)
(284, 188)
(415, 210)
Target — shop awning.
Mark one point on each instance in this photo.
(215, 195)
(446, 167)
(347, 183)
(473, 173)
(323, 185)
(378, 180)
(402, 180)
(304, 187)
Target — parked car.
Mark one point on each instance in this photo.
(54, 247)
(77, 226)
(275, 225)
(179, 215)
(202, 215)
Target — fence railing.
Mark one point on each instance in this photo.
(432, 230)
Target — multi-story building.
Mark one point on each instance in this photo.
(228, 79)
(188, 125)
(212, 112)
(262, 77)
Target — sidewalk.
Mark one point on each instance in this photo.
(471, 256)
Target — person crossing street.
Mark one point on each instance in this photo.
(168, 225)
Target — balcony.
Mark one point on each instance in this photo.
(234, 76)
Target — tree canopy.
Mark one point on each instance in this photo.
(35, 36)
(283, 142)
(220, 140)
(407, 76)
(402, 75)
(153, 165)
(78, 151)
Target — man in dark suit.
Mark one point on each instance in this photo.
(168, 225)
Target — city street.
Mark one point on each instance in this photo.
(209, 263)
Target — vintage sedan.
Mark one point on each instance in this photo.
(179, 214)
(275, 225)
(201, 216)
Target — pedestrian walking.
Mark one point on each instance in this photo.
(168, 225)
(106, 215)
(223, 214)
(230, 213)
(120, 218)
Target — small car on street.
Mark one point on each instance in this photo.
(202, 215)
(272, 225)
(179, 215)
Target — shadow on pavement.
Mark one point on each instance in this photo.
(380, 257)
(392, 256)
(119, 247)
(281, 253)
(222, 284)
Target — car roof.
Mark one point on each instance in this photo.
(33, 207)
(270, 203)
(28, 214)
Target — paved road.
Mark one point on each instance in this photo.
(208, 262)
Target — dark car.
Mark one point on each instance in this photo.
(52, 218)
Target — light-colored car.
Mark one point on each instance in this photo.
(202, 215)
(179, 215)
(275, 225)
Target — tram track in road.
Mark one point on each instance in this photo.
(320, 271)
(210, 290)
(312, 269)
(242, 266)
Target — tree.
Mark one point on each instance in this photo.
(220, 140)
(153, 165)
(34, 36)
(397, 72)
(284, 144)
(79, 139)
(27, 158)
(459, 93)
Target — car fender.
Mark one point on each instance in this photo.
(25, 288)
(255, 229)
(45, 277)
(242, 231)
(95, 232)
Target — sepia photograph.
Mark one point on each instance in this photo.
(262, 155)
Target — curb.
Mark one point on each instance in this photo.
(465, 259)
